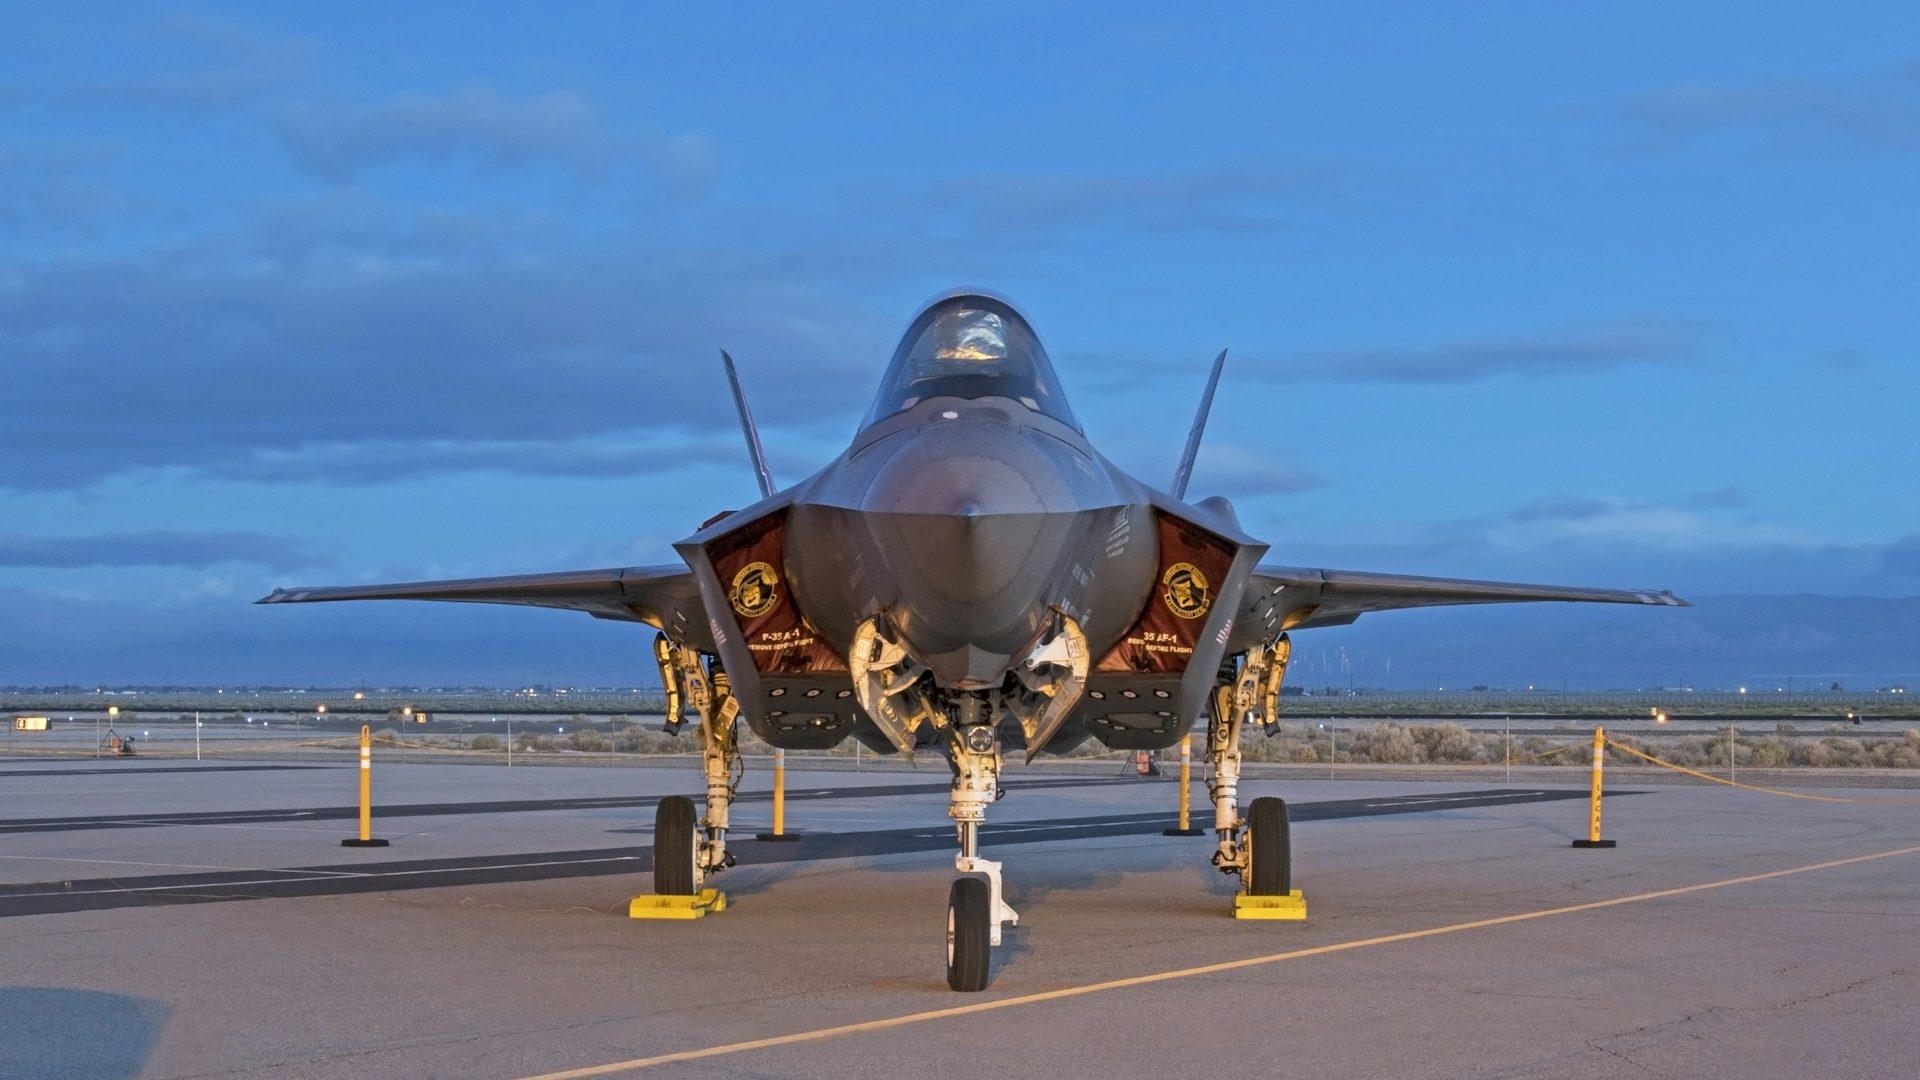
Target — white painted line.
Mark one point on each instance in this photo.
(191, 887)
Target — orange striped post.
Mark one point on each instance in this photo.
(1593, 812)
(779, 800)
(1186, 792)
(366, 794)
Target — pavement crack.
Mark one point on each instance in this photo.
(1836, 991)
(1610, 1052)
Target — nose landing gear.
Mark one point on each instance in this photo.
(976, 906)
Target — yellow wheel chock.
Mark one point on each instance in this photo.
(655, 906)
(1290, 906)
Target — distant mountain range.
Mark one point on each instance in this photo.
(1728, 641)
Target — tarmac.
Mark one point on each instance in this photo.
(171, 920)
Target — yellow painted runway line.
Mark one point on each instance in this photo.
(887, 1023)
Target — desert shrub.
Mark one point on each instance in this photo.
(1848, 753)
(1448, 743)
(484, 742)
(1894, 754)
(639, 740)
(1383, 744)
(588, 740)
(1770, 754)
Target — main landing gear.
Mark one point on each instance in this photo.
(1259, 847)
(687, 850)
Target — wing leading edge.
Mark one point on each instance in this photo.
(1293, 597)
(662, 596)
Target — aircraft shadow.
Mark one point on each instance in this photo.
(56, 1033)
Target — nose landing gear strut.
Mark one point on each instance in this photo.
(976, 905)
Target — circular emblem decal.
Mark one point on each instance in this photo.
(1184, 588)
(755, 590)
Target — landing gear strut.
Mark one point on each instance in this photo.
(976, 906)
(1258, 847)
(686, 851)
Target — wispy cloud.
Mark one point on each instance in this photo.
(221, 65)
(385, 461)
(1730, 497)
(324, 334)
(1874, 113)
(158, 547)
(217, 70)
(1614, 541)
(475, 124)
(1250, 196)
(1240, 473)
(1574, 351)
(1633, 521)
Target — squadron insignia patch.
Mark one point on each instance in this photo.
(755, 590)
(1184, 588)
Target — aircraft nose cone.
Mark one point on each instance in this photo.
(968, 470)
(975, 523)
(971, 588)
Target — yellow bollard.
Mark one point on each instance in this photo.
(366, 793)
(1186, 791)
(1593, 813)
(779, 800)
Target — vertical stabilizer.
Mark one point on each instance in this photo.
(1185, 471)
(753, 434)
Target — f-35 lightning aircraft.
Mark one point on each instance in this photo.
(972, 575)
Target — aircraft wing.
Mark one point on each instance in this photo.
(1294, 597)
(661, 596)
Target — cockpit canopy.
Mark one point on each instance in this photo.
(969, 345)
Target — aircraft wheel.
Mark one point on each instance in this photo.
(969, 940)
(1272, 842)
(675, 839)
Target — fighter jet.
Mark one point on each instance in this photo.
(972, 577)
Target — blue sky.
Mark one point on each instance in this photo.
(1610, 294)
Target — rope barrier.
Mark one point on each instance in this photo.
(1644, 756)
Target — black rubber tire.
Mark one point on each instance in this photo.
(675, 839)
(969, 934)
(1272, 841)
